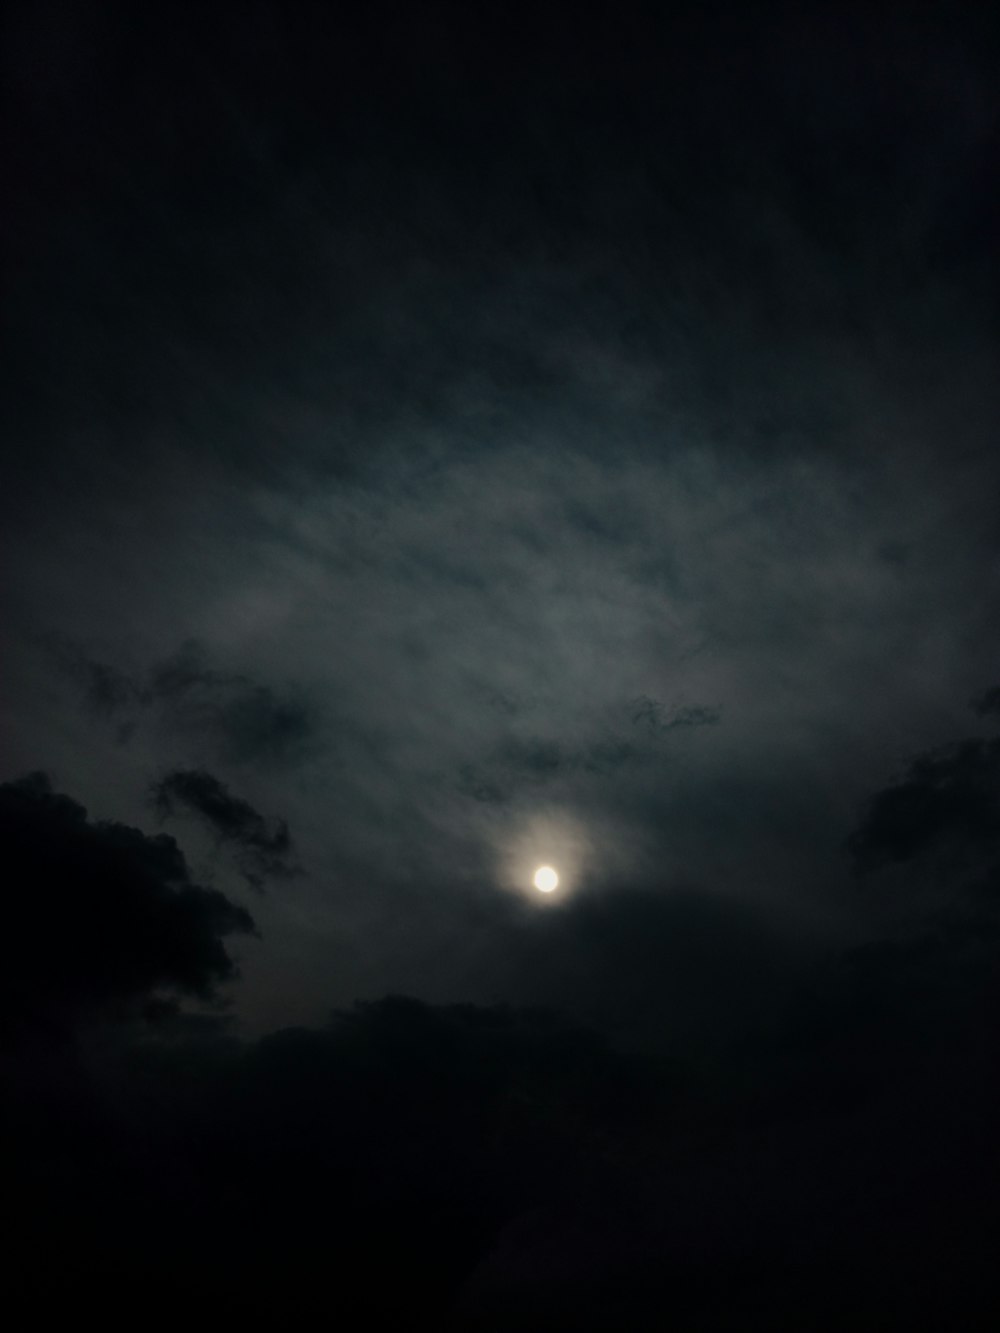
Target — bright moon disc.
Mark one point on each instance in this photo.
(546, 879)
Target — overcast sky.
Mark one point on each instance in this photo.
(480, 447)
(441, 441)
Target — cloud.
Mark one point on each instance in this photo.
(107, 692)
(252, 723)
(506, 1159)
(577, 371)
(534, 761)
(99, 915)
(249, 722)
(398, 1138)
(500, 1159)
(987, 703)
(677, 968)
(949, 797)
(656, 718)
(263, 849)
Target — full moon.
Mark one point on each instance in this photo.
(546, 879)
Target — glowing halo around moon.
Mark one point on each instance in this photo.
(546, 879)
(541, 858)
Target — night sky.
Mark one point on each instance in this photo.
(440, 441)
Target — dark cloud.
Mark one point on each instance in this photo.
(394, 1141)
(675, 968)
(762, 1107)
(988, 703)
(254, 723)
(249, 722)
(502, 1165)
(100, 915)
(534, 762)
(264, 849)
(653, 716)
(924, 994)
(950, 797)
(527, 761)
(108, 693)
(106, 690)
